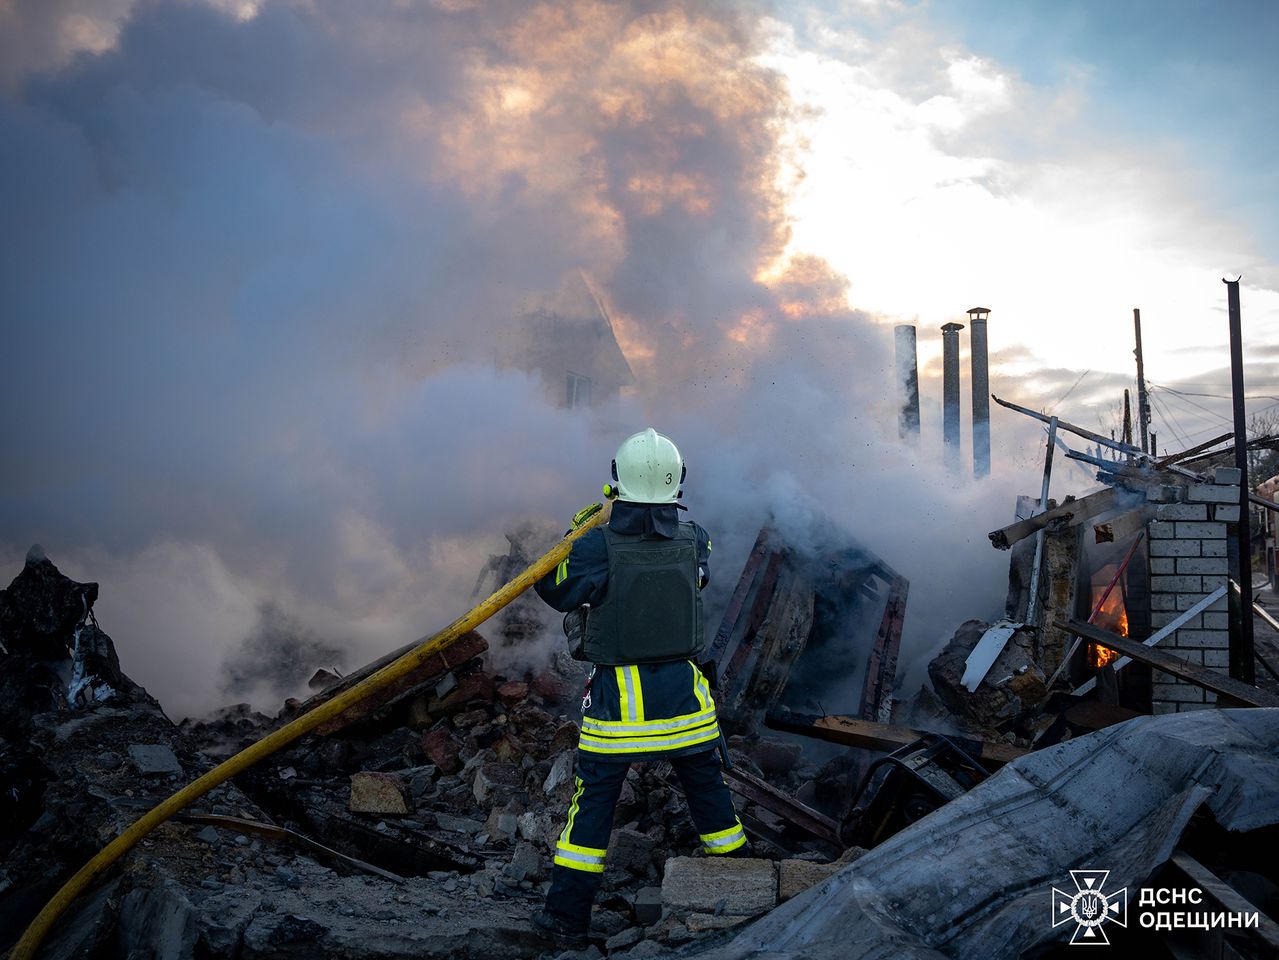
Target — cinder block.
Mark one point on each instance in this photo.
(1203, 638)
(1209, 697)
(1177, 584)
(1176, 692)
(1213, 581)
(1190, 656)
(1203, 493)
(1217, 659)
(1218, 620)
(1161, 529)
(1212, 548)
(1207, 531)
(1227, 475)
(1161, 706)
(1201, 565)
(1162, 565)
(1226, 513)
(1161, 618)
(1174, 548)
(1163, 601)
(1182, 511)
(720, 884)
(1163, 494)
(1187, 707)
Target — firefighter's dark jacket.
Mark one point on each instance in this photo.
(638, 711)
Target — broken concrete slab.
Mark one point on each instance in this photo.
(796, 876)
(720, 885)
(154, 759)
(495, 782)
(380, 793)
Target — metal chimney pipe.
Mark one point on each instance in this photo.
(981, 391)
(907, 382)
(950, 394)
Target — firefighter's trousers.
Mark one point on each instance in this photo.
(582, 847)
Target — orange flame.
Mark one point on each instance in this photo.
(1112, 616)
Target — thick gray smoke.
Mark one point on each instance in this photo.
(255, 270)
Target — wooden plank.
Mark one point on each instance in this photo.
(467, 646)
(879, 736)
(736, 675)
(272, 832)
(881, 666)
(1116, 527)
(784, 805)
(743, 589)
(1266, 931)
(1163, 660)
(781, 639)
(1072, 513)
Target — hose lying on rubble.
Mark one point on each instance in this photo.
(35, 933)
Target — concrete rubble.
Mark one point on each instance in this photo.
(422, 821)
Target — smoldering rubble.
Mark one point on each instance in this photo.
(420, 822)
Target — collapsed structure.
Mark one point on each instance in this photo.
(419, 821)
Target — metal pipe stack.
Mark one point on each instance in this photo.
(907, 382)
(981, 391)
(950, 394)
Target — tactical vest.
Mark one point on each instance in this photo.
(652, 609)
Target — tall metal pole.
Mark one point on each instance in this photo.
(1241, 639)
(1143, 402)
(907, 382)
(950, 394)
(980, 366)
(1127, 437)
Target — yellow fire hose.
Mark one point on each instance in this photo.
(35, 933)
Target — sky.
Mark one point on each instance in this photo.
(257, 254)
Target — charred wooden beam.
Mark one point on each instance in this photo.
(1219, 684)
(1121, 526)
(881, 668)
(738, 600)
(466, 647)
(853, 732)
(272, 832)
(770, 798)
(1071, 513)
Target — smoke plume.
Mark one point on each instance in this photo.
(259, 259)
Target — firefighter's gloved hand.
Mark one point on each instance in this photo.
(586, 513)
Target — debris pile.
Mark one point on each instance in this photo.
(419, 823)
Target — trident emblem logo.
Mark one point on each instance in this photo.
(1089, 907)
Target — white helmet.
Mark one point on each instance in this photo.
(648, 468)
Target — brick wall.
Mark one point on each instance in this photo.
(1188, 562)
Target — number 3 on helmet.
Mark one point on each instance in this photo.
(645, 468)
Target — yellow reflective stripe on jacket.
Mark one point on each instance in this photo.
(658, 742)
(630, 692)
(561, 572)
(725, 841)
(701, 688)
(614, 728)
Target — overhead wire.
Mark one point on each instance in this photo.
(1173, 424)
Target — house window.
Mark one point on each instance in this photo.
(579, 390)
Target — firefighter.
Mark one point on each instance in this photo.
(632, 590)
